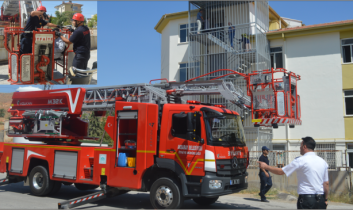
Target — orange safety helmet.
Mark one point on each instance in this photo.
(78, 17)
(42, 8)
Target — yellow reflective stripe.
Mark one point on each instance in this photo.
(37, 146)
(182, 164)
(106, 150)
(209, 160)
(145, 151)
(162, 152)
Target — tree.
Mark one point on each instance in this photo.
(93, 22)
(94, 126)
(63, 18)
(2, 112)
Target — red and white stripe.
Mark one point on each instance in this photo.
(87, 198)
(3, 180)
(270, 121)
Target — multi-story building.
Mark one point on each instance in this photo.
(69, 6)
(321, 54)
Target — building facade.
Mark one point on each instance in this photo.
(323, 56)
(69, 6)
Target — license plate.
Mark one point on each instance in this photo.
(234, 181)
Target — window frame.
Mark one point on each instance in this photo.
(186, 29)
(187, 70)
(345, 106)
(192, 28)
(351, 49)
(274, 56)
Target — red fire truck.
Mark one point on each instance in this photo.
(173, 150)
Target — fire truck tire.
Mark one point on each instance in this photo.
(166, 193)
(56, 188)
(85, 186)
(39, 181)
(202, 201)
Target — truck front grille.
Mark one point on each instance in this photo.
(228, 169)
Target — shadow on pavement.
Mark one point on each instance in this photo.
(252, 199)
(4, 77)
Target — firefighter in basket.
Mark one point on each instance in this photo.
(35, 20)
(81, 39)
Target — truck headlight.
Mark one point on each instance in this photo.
(215, 184)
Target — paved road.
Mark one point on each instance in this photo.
(17, 196)
(4, 70)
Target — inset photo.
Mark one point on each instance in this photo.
(48, 42)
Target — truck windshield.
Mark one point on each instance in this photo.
(225, 131)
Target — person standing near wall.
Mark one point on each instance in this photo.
(265, 178)
(312, 175)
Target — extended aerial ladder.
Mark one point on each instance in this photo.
(270, 102)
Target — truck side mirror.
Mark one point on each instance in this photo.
(193, 126)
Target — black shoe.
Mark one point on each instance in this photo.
(264, 200)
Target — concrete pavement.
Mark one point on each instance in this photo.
(17, 196)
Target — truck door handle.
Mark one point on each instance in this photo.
(170, 150)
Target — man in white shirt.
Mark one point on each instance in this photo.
(312, 175)
(59, 47)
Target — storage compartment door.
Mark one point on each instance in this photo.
(65, 165)
(17, 160)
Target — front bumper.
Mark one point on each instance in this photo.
(226, 187)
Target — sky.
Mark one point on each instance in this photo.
(130, 49)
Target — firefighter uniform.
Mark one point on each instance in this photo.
(27, 38)
(81, 39)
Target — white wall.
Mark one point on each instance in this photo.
(173, 52)
(292, 23)
(317, 59)
(165, 53)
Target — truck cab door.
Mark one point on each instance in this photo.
(185, 143)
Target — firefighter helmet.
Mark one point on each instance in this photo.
(78, 17)
(42, 8)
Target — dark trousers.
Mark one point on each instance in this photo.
(311, 202)
(80, 61)
(25, 45)
(266, 184)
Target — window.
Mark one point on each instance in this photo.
(276, 57)
(183, 34)
(279, 147)
(348, 99)
(188, 71)
(180, 126)
(347, 45)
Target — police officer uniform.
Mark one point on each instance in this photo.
(266, 182)
(312, 172)
(81, 39)
(27, 38)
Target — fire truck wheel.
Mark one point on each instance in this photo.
(85, 186)
(165, 193)
(202, 201)
(40, 182)
(56, 188)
